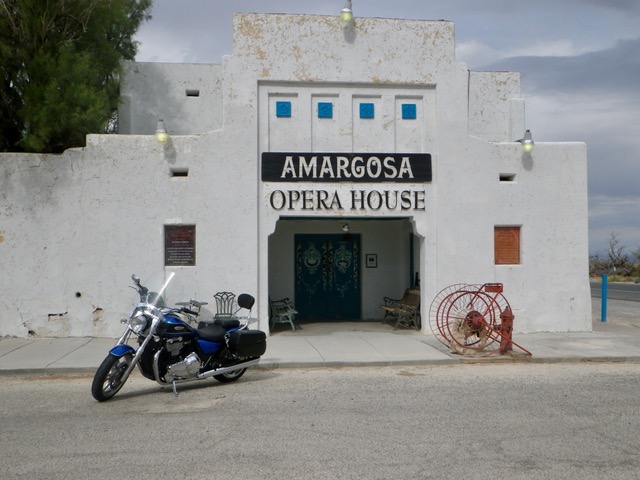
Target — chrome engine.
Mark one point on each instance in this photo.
(187, 368)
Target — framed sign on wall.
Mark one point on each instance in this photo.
(179, 245)
(371, 260)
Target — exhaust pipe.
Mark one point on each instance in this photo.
(201, 376)
(240, 366)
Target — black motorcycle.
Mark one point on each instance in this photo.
(170, 350)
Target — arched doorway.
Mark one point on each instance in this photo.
(339, 269)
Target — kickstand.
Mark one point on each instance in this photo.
(175, 390)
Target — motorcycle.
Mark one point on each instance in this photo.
(170, 350)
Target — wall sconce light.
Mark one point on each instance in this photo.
(346, 14)
(345, 228)
(527, 142)
(161, 132)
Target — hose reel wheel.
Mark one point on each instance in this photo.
(466, 318)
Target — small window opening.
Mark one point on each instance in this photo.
(180, 172)
(507, 177)
(191, 92)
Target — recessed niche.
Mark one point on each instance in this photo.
(507, 177)
(179, 172)
(192, 92)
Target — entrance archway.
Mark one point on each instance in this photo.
(339, 269)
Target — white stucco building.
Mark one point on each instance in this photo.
(306, 130)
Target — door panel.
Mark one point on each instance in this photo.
(327, 277)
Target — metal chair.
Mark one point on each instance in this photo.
(405, 311)
(282, 311)
(224, 305)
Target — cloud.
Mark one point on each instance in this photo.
(475, 53)
(617, 67)
(623, 5)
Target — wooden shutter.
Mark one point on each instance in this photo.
(506, 242)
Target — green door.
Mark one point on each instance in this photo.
(327, 277)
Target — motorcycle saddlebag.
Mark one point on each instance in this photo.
(247, 343)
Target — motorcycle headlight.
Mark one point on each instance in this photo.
(138, 323)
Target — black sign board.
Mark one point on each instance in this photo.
(179, 245)
(346, 167)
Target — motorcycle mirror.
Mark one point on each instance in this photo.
(136, 279)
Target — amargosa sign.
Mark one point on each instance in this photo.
(346, 167)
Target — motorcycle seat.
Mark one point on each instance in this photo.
(212, 332)
(227, 323)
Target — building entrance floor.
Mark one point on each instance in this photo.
(325, 327)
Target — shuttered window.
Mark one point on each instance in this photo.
(506, 241)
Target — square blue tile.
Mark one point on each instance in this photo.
(367, 110)
(325, 110)
(409, 111)
(283, 109)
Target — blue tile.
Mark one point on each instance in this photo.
(409, 111)
(283, 109)
(325, 110)
(367, 110)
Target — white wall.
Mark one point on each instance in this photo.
(549, 290)
(84, 221)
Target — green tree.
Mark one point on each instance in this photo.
(60, 63)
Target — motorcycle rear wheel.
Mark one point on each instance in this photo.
(230, 376)
(108, 379)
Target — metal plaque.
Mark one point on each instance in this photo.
(179, 245)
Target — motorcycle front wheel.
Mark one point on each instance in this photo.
(108, 379)
(230, 376)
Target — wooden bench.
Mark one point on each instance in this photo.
(405, 310)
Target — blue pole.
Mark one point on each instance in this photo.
(603, 309)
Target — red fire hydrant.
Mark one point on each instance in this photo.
(506, 317)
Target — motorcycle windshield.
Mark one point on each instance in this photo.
(160, 287)
(166, 289)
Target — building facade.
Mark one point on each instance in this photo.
(330, 164)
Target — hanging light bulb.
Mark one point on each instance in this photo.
(527, 142)
(161, 132)
(346, 14)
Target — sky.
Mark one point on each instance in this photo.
(579, 62)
